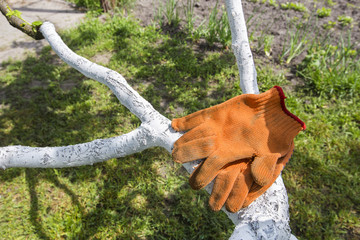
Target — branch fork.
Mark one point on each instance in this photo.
(266, 218)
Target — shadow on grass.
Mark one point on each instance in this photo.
(179, 73)
(323, 194)
(41, 111)
(133, 199)
(32, 181)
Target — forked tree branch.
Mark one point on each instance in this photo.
(154, 131)
(266, 218)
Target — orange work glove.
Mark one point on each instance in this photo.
(235, 187)
(248, 126)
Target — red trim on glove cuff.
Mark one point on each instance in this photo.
(282, 97)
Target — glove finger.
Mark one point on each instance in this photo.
(193, 150)
(285, 159)
(195, 119)
(209, 169)
(257, 190)
(188, 122)
(240, 189)
(262, 168)
(198, 132)
(222, 186)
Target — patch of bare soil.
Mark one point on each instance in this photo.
(14, 44)
(264, 19)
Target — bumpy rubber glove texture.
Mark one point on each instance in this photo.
(235, 187)
(249, 126)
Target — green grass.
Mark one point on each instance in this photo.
(215, 29)
(89, 4)
(299, 40)
(146, 195)
(95, 6)
(323, 184)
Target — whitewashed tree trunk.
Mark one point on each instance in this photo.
(266, 218)
(241, 47)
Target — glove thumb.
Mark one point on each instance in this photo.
(262, 168)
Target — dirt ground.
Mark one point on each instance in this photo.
(262, 19)
(265, 19)
(14, 43)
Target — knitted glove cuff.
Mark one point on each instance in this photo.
(282, 97)
(270, 106)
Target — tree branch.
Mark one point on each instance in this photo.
(19, 23)
(241, 47)
(115, 81)
(80, 154)
(155, 129)
(267, 217)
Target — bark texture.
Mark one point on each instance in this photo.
(20, 23)
(266, 218)
(241, 47)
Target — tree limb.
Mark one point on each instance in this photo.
(266, 218)
(155, 129)
(241, 47)
(19, 23)
(80, 154)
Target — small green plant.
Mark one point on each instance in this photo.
(171, 13)
(345, 20)
(194, 33)
(268, 40)
(224, 30)
(300, 7)
(35, 25)
(323, 12)
(329, 25)
(264, 42)
(158, 15)
(211, 31)
(330, 3)
(298, 43)
(189, 16)
(89, 4)
(273, 3)
(199, 32)
(332, 69)
(218, 30)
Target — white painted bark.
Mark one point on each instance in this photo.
(266, 218)
(155, 129)
(241, 47)
(80, 154)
